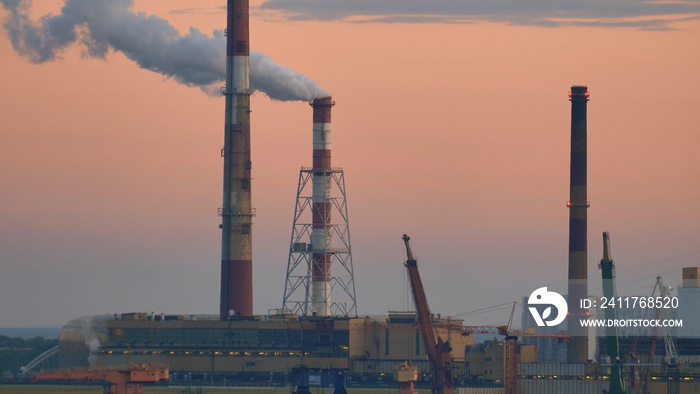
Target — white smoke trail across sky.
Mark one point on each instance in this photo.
(194, 59)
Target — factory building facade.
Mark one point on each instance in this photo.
(485, 361)
(688, 301)
(258, 345)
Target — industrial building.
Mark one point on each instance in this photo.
(318, 325)
(485, 361)
(257, 346)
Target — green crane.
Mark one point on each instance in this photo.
(618, 384)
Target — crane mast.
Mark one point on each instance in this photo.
(673, 361)
(439, 353)
(671, 352)
(607, 267)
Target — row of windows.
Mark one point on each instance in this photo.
(218, 353)
(183, 335)
(224, 336)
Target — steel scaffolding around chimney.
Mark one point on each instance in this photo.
(339, 296)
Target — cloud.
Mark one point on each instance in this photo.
(198, 10)
(642, 14)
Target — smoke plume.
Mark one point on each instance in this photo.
(194, 59)
(281, 83)
(94, 347)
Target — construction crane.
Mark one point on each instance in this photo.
(439, 353)
(511, 357)
(510, 350)
(672, 359)
(671, 353)
(618, 384)
(124, 380)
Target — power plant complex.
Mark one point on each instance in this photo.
(318, 327)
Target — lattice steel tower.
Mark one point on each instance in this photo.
(318, 244)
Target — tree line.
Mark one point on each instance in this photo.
(17, 352)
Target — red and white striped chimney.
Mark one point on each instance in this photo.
(321, 220)
(236, 211)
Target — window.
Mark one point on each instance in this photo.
(386, 342)
(417, 343)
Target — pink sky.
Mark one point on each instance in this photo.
(455, 133)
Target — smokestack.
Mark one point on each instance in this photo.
(577, 349)
(321, 214)
(237, 211)
(310, 287)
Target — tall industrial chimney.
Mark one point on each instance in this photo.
(577, 349)
(237, 211)
(321, 245)
(321, 214)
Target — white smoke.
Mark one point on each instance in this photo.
(194, 59)
(94, 347)
(281, 83)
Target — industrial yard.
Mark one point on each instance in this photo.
(46, 389)
(176, 389)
